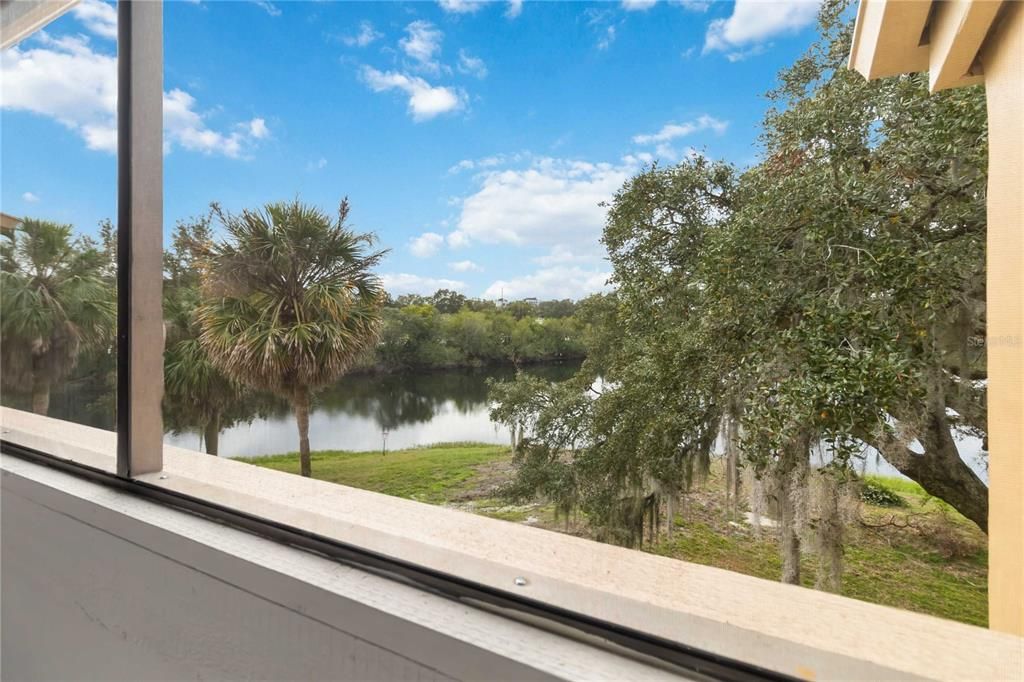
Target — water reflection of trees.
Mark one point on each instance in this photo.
(390, 400)
(85, 399)
(395, 400)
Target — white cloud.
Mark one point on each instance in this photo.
(270, 8)
(671, 131)
(367, 34)
(465, 266)
(514, 9)
(400, 283)
(465, 164)
(66, 80)
(551, 283)
(460, 6)
(596, 17)
(319, 164)
(666, 152)
(425, 100)
(184, 126)
(638, 159)
(600, 21)
(740, 55)
(553, 201)
(30, 198)
(562, 254)
(470, 65)
(754, 21)
(426, 245)
(638, 5)
(98, 17)
(487, 162)
(692, 5)
(457, 239)
(258, 128)
(421, 44)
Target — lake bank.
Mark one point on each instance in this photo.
(922, 556)
(472, 365)
(383, 412)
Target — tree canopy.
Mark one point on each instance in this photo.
(55, 304)
(817, 302)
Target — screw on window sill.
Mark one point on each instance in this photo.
(520, 581)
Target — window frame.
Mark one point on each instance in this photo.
(140, 327)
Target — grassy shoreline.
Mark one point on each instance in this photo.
(920, 556)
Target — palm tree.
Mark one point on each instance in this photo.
(289, 302)
(54, 304)
(197, 395)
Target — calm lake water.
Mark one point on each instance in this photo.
(410, 409)
(414, 408)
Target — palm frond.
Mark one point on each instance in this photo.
(290, 298)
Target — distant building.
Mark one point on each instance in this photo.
(8, 222)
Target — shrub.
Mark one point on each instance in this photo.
(880, 496)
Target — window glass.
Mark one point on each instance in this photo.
(59, 203)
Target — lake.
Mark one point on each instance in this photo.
(393, 411)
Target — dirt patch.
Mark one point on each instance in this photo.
(487, 481)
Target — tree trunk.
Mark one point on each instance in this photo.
(301, 405)
(732, 462)
(670, 512)
(792, 479)
(40, 394)
(789, 541)
(828, 533)
(940, 470)
(212, 434)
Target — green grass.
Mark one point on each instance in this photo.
(434, 474)
(923, 557)
(906, 576)
(916, 496)
(897, 485)
(701, 543)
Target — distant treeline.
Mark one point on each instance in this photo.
(448, 329)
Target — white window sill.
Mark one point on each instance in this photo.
(800, 632)
(99, 584)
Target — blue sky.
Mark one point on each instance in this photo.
(475, 139)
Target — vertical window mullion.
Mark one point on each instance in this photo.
(140, 333)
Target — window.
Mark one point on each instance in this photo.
(59, 223)
(529, 263)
